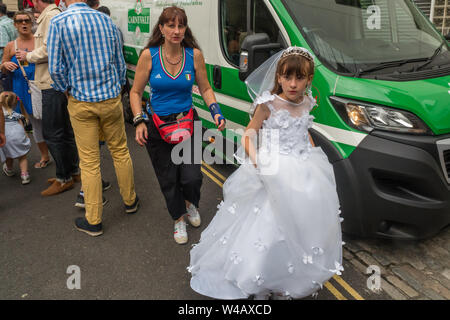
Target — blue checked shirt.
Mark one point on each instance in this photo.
(85, 54)
(7, 33)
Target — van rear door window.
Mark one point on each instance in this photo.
(240, 18)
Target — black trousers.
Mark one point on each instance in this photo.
(58, 133)
(178, 182)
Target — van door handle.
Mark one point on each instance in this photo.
(217, 77)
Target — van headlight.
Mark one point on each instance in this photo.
(367, 117)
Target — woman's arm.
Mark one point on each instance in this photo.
(143, 69)
(206, 91)
(261, 114)
(8, 53)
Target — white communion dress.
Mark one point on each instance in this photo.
(278, 228)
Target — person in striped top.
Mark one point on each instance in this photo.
(86, 62)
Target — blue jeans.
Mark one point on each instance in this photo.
(58, 133)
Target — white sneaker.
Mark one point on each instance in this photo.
(179, 233)
(25, 178)
(193, 216)
(7, 171)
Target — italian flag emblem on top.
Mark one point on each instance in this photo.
(188, 77)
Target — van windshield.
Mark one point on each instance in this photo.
(369, 36)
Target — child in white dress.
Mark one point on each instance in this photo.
(278, 229)
(17, 142)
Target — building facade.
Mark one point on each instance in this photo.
(438, 11)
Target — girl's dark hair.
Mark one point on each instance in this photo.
(290, 65)
(170, 14)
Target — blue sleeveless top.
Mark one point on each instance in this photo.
(20, 85)
(171, 93)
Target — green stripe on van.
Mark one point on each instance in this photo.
(345, 149)
(130, 54)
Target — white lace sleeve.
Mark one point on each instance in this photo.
(265, 97)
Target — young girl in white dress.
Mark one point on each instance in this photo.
(278, 231)
(17, 142)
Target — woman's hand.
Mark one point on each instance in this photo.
(141, 134)
(10, 66)
(222, 122)
(21, 55)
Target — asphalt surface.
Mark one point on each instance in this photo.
(135, 258)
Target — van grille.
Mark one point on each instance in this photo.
(444, 155)
(447, 162)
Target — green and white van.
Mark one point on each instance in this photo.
(382, 84)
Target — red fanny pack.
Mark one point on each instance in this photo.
(175, 131)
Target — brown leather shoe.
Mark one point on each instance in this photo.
(57, 187)
(75, 177)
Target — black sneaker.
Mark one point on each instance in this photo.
(134, 207)
(80, 201)
(105, 185)
(91, 229)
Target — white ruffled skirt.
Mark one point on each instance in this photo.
(272, 233)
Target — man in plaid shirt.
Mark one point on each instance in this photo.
(86, 62)
(7, 30)
(7, 33)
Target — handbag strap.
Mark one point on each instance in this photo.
(22, 108)
(21, 67)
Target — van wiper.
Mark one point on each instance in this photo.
(385, 65)
(430, 59)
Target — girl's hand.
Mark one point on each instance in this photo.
(141, 134)
(10, 66)
(222, 122)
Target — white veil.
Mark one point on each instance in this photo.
(261, 81)
(259, 85)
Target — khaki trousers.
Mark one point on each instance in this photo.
(90, 120)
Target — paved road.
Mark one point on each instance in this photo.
(135, 258)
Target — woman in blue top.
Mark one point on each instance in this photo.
(23, 21)
(171, 63)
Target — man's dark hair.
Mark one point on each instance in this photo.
(105, 10)
(92, 3)
(3, 9)
(48, 1)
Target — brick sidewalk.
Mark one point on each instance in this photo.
(417, 270)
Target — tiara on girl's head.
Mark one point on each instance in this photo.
(298, 51)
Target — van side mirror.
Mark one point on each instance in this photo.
(255, 49)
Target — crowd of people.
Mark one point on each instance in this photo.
(258, 243)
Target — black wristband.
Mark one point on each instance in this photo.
(138, 122)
